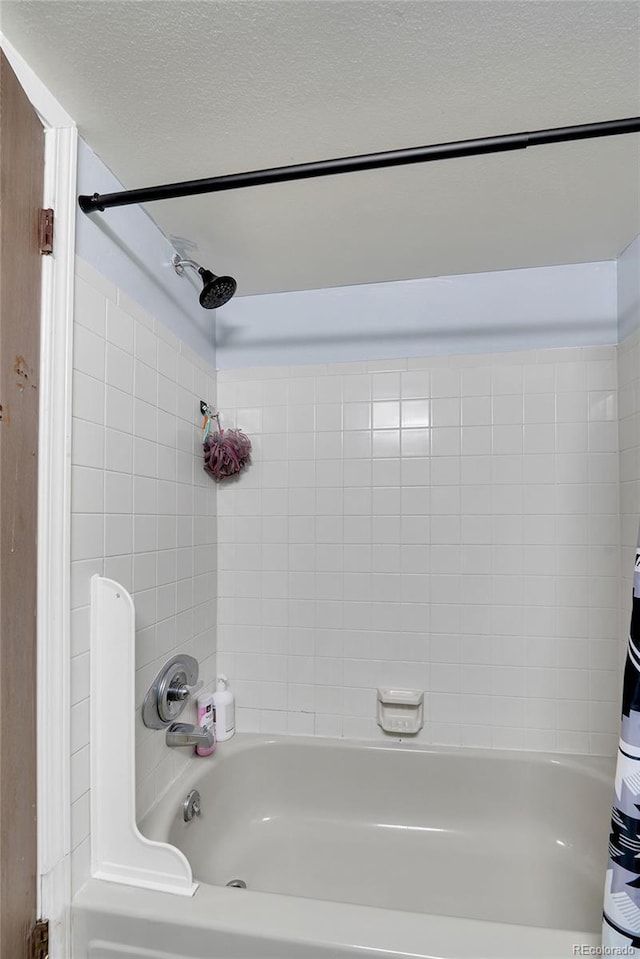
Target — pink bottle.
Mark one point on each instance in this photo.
(207, 719)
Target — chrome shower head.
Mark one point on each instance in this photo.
(216, 290)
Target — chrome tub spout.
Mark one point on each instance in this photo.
(185, 734)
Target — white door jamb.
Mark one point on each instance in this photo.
(54, 513)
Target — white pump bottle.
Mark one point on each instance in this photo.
(225, 710)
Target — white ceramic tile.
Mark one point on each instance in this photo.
(87, 446)
(167, 359)
(81, 573)
(119, 327)
(145, 382)
(90, 307)
(79, 773)
(118, 534)
(135, 310)
(188, 361)
(88, 398)
(88, 352)
(415, 384)
(118, 410)
(87, 536)
(445, 441)
(79, 725)
(118, 454)
(118, 493)
(145, 420)
(119, 368)
(79, 678)
(87, 490)
(445, 383)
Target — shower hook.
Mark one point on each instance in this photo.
(206, 410)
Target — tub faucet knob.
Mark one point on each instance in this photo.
(178, 692)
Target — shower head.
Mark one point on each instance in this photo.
(216, 290)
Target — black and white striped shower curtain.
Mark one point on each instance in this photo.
(621, 923)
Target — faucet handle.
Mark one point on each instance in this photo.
(178, 691)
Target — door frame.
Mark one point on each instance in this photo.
(54, 513)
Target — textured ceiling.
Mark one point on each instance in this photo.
(171, 90)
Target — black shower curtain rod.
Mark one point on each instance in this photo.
(366, 161)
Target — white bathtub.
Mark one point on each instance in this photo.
(375, 850)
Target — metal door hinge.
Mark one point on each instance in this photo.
(40, 940)
(46, 231)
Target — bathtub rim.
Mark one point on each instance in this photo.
(342, 929)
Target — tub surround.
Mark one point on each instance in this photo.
(447, 524)
(143, 513)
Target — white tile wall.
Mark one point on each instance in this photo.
(449, 524)
(629, 440)
(143, 512)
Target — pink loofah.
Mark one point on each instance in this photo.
(226, 453)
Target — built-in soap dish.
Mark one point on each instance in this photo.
(401, 711)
